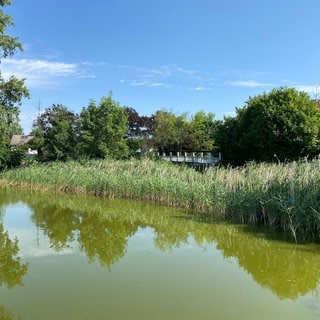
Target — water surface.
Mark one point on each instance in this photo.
(65, 257)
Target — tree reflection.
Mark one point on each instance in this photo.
(5, 314)
(104, 239)
(11, 269)
(102, 228)
(58, 223)
(287, 269)
(100, 237)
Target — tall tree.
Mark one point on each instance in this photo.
(171, 132)
(103, 128)
(203, 129)
(178, 132)
(140, 129)
(284, 122)
(56, 134)
(12, 91)
(138, 126)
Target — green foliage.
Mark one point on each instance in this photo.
(12, 91)
(102, 130)
(138, 126)
(177, 133)
(202, 128)
(165, 132)
(8, 44)
(284, 123)
(139, 131)
(56, 134)
(134, 145)
(16, 156)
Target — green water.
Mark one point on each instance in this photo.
(65, 257)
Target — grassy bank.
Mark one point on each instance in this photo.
(283, 196)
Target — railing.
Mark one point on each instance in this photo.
(194, 157)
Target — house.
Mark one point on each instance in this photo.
(18, 139)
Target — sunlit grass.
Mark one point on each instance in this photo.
(281, 196)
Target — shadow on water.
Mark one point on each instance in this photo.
(103, 227)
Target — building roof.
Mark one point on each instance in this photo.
(17, 139)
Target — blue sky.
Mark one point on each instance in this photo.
(181, 55)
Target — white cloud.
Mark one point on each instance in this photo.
(145, 83)
(311, 89)
(174, 76)
(39, 73)
(93, 64)
(164, 71)
(250, 84)
(156, 84)
(198, 88)
(27, 248)
(136, 83)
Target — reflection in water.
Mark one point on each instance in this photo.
(103, 228)
(6, 314)
(288, 270)
(11, 270)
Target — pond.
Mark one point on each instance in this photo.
(65, 257)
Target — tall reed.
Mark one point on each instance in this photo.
(282, 196)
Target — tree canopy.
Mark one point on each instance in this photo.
(103, 128)
(56, 133)
(178, 132)
(282, 124)
(12, 90)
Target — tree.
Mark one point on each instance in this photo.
(12, 91)
(138, 126)
(284, 123)
(140, 129)
(178, 133)
(56, 134)
(103, 129)
(171, 132)
(227, 136)
(202, 128)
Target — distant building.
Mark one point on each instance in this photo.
(18, 139)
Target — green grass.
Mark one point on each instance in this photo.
(281, 196)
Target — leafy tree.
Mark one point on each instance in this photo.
(12, 91)
(138, 126)
(227, 140)
(171, 132)
(8, 44)
(284, 123)
(103, 128)
(178, 133)
(140, 129)
(56, 134)
(202, 128)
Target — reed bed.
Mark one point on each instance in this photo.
(281, 196)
